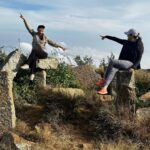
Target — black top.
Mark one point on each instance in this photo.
(131, 51)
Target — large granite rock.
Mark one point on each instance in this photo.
(125, 93)
(86, 75)
(13, 62)
(7, 73)
(7, 108)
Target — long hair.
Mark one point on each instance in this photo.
(140, 44)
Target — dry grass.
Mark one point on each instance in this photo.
(121, 145)
(72, 124)
(142, 76)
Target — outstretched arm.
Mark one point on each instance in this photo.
(50, 42)
(31, 31)
(120, 41)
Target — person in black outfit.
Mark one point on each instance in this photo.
(129, 59)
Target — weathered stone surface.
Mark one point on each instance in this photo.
(126, 79)
(143, 115)
(41, 78)
(7, 142)
(125, 92)
(7, 73)
(7, 109)
(49, 63)
(86, 75)
(145, 97)
(11, 141)
(13, 62)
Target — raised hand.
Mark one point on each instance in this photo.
(21, 16)
(102, 37)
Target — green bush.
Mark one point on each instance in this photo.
(62, 76)
(142, 88)
(23, 93)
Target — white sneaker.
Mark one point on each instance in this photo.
(32, 76)
(25, 66)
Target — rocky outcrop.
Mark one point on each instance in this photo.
(86, 75)
(125, 93)
(12, 63)
(7, 109)
(7, 73)
(49, 63)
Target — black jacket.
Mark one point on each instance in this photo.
(131, 51)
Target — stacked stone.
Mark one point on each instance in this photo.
(43, 64)
(7, 73)
(125, 93)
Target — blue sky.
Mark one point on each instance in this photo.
(77, 23)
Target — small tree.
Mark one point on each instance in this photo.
(2, 56)
(88, 60)
(85, 61)
(105, 61)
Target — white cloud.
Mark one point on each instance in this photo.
(25, 48)
(77, 16)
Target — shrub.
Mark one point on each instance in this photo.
(62, 76)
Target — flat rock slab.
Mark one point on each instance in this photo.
(49, 63)
(143, 115)
(48, 92)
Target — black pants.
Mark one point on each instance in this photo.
(35, 54)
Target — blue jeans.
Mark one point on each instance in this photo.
(113, 67)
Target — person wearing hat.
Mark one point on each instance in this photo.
(129, 59)
(38, 47)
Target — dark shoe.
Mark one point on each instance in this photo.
(31, 82)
